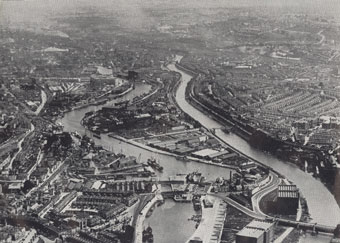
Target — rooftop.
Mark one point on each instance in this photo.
(260, 224)
(288, 191)
(250, 232)
(205, 152)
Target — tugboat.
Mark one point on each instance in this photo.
(153, 163)
(147, 235)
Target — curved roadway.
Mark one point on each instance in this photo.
(265, 190)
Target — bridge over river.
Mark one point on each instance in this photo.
(314, 227)
(312, 189)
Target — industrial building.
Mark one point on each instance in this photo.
(256, 232)
(250, 235)
(287, 199)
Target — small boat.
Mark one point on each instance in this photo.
(149, 213)
(147, 235)
(186, 198)
(153, 163)
(161, 202)
(76, 135)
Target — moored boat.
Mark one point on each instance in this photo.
(155, 165)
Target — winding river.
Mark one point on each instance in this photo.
(317, 195)
(323, 207)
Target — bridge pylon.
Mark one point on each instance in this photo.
(314, 232)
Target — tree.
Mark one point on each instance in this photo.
(28, 185)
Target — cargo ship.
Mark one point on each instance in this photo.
(147, 235)
(153, 163)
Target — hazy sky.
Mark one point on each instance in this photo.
(40, 12)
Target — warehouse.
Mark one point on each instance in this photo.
(287, 199)
(257, 231)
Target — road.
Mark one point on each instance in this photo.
(20, 146)
(43, 102)
(139, 220)
(284, 222)
(323, 37)
(307, 184)
(238, 206)
(41, 186)
(144, 199)
(268, 188)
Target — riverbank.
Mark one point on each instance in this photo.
(306, 183)
(141, 217)
(146, 147)
(103, 101)
(211, 225)
(198, 107)
(327, 177)
(320, 163)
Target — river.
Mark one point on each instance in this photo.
(322, 205)
(172, 166)
(170, 222)
(182, 229)
(312, 189)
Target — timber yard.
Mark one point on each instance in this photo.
(150, 122)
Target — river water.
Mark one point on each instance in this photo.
(317, 195)
(170, 216)
(170, 223)
(322, 205)
(172, 166)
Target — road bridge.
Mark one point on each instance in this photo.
(258, 214)
(314, 227)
